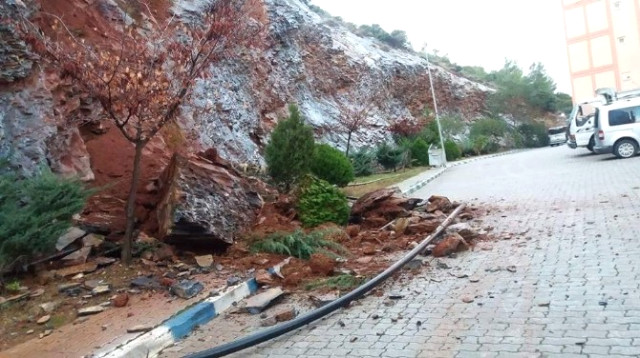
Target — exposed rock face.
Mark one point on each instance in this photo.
(205, 199)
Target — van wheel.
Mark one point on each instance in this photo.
(625, 148)
(591, 144)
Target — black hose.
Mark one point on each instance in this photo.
(276, 331)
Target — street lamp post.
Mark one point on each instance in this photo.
(435, 106)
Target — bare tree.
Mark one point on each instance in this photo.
(355, 115)
(142, 76)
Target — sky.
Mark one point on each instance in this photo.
(472, 32)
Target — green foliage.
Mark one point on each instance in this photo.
(452, 126)
(483, 144)
(488, 127)
(396, 39)
(342, 282)
(452, 150)
(320, 202)
(564, 102)
(298, 244)
(389, 157)
(35, 212)
(290, 149)
(420, 152)
(430, 133)
(331, 165)
(363, 161)
(13, 286)
(534, 135)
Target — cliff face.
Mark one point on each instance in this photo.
(314, 62)
(304, 59)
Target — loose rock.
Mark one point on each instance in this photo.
(187, 288)
(43, 319)
(90, 310)
(286, 315)
(120, 300)
(139, 328)
(467, 299)
(205, 261)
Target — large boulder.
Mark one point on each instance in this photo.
(203, 199)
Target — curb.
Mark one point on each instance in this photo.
(419, 185)
(151, 343)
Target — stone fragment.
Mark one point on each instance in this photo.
(44, 319)
(102, 289)
(187, 288)
(74, 270)
(48, 307)
(467, 299)
(449, 245)
(139, 328)
(263, 277)
(120, 300)
(286, 315)
(91, 310)
(205, 261)
(259, 302)
(69, 237)
(145, 283)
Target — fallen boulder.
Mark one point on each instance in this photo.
(450, 244)
(204, 199)
(382, 205)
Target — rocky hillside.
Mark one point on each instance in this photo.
(306, 59)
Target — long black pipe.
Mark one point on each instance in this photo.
(276, 331)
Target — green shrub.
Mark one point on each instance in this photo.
(534, 135)
(452, 150)
(420, 152)
(362, 162)
(488, 127)
(35, 211)
(298, 244)
(331, 165)
(320, 202)
(290, 150)
(389, 157)
(484, 145)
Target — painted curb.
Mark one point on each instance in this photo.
(151, 343)
(419, 185)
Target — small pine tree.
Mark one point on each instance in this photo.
(389, 157)
(363, 161)
(420, 152)
(290, 150)
(320, 202)
(331, 165)
(452, 150)
(34, 212)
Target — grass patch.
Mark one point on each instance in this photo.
(343, 283)
(57, 321)
(298, 244)
(384, 180)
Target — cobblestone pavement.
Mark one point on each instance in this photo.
(565, 285)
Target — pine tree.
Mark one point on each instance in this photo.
(290, 150)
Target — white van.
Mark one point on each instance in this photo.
(581, 124)
(618, 128)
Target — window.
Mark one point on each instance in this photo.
(621, 39)
(622, 116)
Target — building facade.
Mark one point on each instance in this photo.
(603, 45)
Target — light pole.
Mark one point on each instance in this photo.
(435, 106)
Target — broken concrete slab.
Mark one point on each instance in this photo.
(69, 237)
(259, 302)
(187, 289)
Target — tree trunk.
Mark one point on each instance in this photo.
(348, 145)
(131, 206)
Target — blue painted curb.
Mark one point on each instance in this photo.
(151, 343)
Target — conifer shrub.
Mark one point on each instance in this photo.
(35, 211)
(331, 165)
(452, 150)
(420, 152)
(290, 150)
(320, 202)
(363, 162)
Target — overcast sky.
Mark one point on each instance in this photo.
(472, 32)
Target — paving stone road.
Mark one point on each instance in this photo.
(576, 286)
